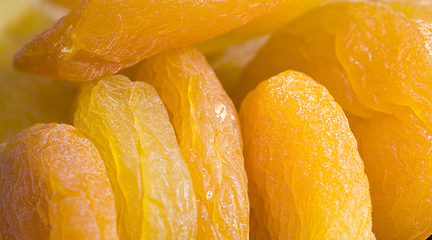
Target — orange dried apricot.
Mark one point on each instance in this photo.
(54, 186)
(376, 62)
(98, 38)
(208, 132)
(306, 178)
(129, 125)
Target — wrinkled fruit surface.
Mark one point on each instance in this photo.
(306, 178)
(98, 38)
(376, 63)
(54, 185)
(152, 186)
(208, 132)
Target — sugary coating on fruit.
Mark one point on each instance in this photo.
(152, 186)
(376, 62)
(208, 132)
(306, 178)
(54, 185)
(98, 38)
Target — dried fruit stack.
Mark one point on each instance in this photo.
(376, 63)
(161, 156)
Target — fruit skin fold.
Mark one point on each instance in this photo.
(306, 177)
(376, 62)
(98, 38)
(208, 133)
(54, 186)
(152, 186)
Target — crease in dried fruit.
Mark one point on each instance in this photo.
(305, 174)
(208, 133)
(45, 172)
(378, 55)
(106, 37)
(152, 185)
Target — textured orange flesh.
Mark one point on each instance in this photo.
(98, 38)
(208, 132)
(306, 178)
(54, 186)
(152, 186)
(376, 62)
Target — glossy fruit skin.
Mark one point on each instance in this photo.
(99, 38)
(54, 186)
(152, 186)
(306, 177)
(208, 133)
(375, 61)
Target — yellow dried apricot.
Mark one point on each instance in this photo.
(129, 125)
(53, 185)
(376, 62)
(98, 38)
(306, 178)
(208, 132)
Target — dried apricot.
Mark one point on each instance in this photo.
(98, 38)
(54, 185)
(306, 178)
(376, 62)
(208, 132)
(397, 161)
(129, 125)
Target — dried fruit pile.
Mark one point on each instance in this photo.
(332, 141)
